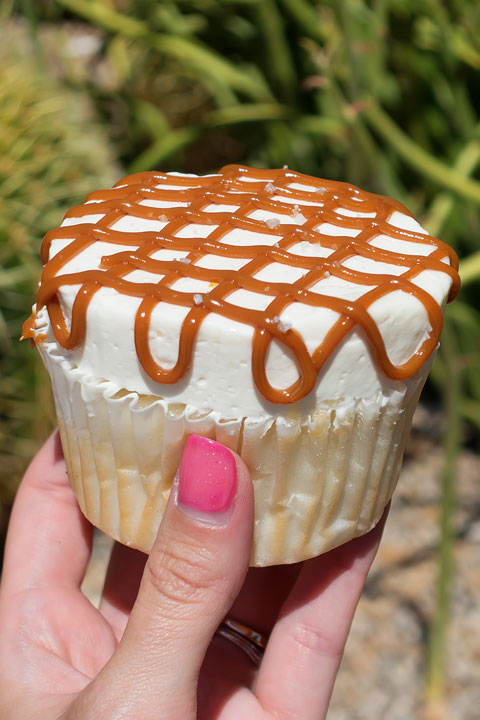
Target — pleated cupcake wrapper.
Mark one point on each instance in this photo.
(318, 481)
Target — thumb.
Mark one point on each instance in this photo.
(193, 574)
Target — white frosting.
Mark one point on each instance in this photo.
(220, 377)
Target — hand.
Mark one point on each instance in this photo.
(147, 652)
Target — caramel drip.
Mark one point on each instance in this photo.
(228, 188)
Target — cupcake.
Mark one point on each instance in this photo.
(290, 318)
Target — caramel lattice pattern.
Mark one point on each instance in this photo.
(271, 192)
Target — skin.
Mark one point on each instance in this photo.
(147, 652)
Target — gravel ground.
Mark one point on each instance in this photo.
(382, 672)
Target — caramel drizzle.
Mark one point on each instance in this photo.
(228, 188)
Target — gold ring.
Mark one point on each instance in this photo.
(250, 641)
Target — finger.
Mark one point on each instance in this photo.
(257, 606)
(122, 581)
(49, 540)
(193, 574)
(312, 630)
(271, 584)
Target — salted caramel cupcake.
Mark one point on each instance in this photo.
(291, 318)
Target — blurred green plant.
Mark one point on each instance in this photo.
(382, 93)
(51, 152)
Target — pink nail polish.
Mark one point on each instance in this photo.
(207, 478)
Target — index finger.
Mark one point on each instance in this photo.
(48, 540)
(301, 661)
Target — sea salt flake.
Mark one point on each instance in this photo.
(275, 319)
(285, 167)
(277, 245)
(320, 190)
(284, 325)
(297, 215)
(162, 218)
(184, 260)
(270, 188)
(326, 274)
(273, 223)
(197, 299)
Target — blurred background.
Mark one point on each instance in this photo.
(382, 93)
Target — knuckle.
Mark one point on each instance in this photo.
(314, 640)
(183, 574)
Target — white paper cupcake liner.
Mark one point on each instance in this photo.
(318, 481)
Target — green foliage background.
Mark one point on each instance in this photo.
(382, 93)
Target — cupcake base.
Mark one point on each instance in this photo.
(319, 480)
